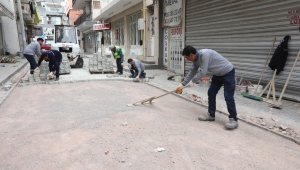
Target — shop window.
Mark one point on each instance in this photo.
(119, 32)
(106, 36)
(134, 33)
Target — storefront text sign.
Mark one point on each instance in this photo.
(172, 13)
(294, 16)
(98, 27)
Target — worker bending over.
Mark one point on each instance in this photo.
(119, 56)
(54, 58)
(34, 48)
(223, 74)
(137, 68)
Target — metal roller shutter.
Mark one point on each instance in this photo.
(243, 32)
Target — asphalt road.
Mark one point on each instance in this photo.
(88, 126)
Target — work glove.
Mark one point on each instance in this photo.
(179, 89)
(122, 65)
(50, 75)
(137, 78)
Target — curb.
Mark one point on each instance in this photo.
(240, 119)
(20, 68)
(17, 82)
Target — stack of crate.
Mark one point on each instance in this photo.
(100, 63)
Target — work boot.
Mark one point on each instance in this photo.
(206, 117)
(56, 79)
(232, 124)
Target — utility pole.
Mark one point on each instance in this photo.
(21, 23)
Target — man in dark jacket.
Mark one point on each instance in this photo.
(54, 58)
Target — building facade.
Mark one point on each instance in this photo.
(71, 13)
(135, 26)
(52, 13)
(84, 23)
(8, 26)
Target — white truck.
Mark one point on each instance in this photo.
(66, 40)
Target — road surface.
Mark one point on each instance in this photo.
(88, 126)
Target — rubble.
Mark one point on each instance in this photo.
(9, 59)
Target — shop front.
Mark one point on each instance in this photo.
(243, 32)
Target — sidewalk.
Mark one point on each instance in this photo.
(10, 75)
(10, 69)
(249, 110)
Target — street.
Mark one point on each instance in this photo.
(87, 125)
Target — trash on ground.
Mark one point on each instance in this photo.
(159, 150)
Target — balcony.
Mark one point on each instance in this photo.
(5, 11)
(28, 18)
(83, 17)
(84, 21)
(80, 4)
(113, 7)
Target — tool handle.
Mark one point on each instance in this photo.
(288, 79)
(262, 73)
(169, 92)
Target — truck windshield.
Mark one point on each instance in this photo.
(65, 34)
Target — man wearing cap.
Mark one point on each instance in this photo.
(54, 58)
(119, 56)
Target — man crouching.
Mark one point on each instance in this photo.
(54, 58)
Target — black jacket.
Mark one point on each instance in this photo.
(280, 55)
(54, 57)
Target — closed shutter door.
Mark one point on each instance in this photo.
(1, 39)
(243, 32)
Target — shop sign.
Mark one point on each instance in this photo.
(294, 16)
(166, 46)
(172, 13)
(98, 27)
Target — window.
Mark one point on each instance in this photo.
(42, 20)
(119, 32)
(134, 33)
(54, 20)
(106, 36)
(65, 34)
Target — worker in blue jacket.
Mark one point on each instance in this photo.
(54, 58)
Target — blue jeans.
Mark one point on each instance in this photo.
(134, 73)
(228, 80)
(119, 65)
(31, 60)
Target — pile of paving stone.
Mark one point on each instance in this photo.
(65, 67)
(41, 73)
(100, 64)
(4, 59)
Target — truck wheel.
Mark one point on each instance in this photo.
(79, 63)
